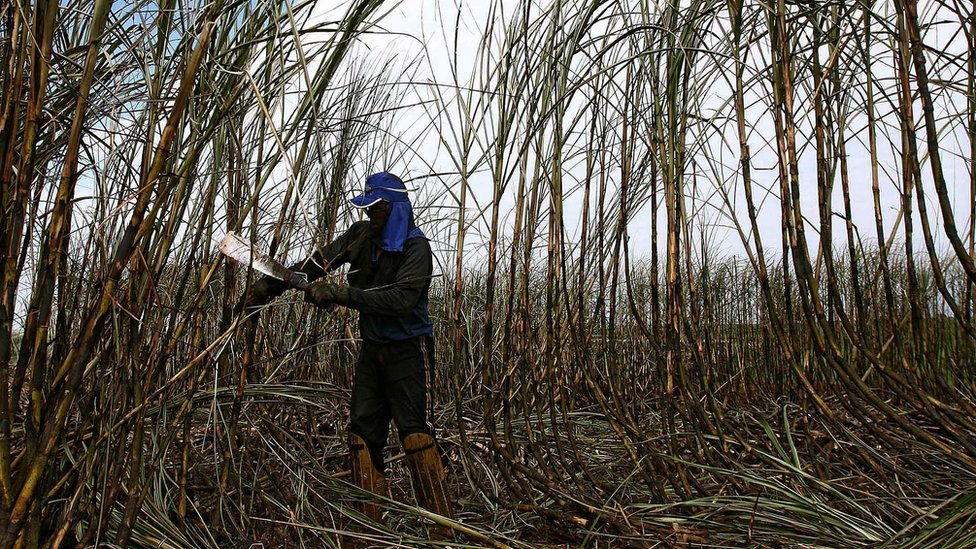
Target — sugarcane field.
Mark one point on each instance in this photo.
(504, 274)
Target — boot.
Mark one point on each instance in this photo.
(429, 478)
(366, 476)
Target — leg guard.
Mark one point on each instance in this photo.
(429, 477)
(366, 476)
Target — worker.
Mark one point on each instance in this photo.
(390, 266)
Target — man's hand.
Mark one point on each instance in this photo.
(259, 294)
(323, 293)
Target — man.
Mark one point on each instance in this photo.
(390, 266)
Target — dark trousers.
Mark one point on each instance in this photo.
(392, 382)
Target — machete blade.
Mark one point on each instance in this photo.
(241, 251)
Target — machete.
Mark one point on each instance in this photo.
(241, 251)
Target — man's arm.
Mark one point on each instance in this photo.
(395, 299)
(332, 255)
(400, 297)
(322, 260)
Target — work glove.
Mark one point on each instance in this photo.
(259, 293)
(323, 293)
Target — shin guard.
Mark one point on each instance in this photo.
(366, 476)
(427, 471)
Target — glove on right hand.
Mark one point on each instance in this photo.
(323, 293)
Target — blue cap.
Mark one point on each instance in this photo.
(381, 186)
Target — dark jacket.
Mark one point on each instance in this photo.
(388, 288)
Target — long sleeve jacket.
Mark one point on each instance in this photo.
(390, 289)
